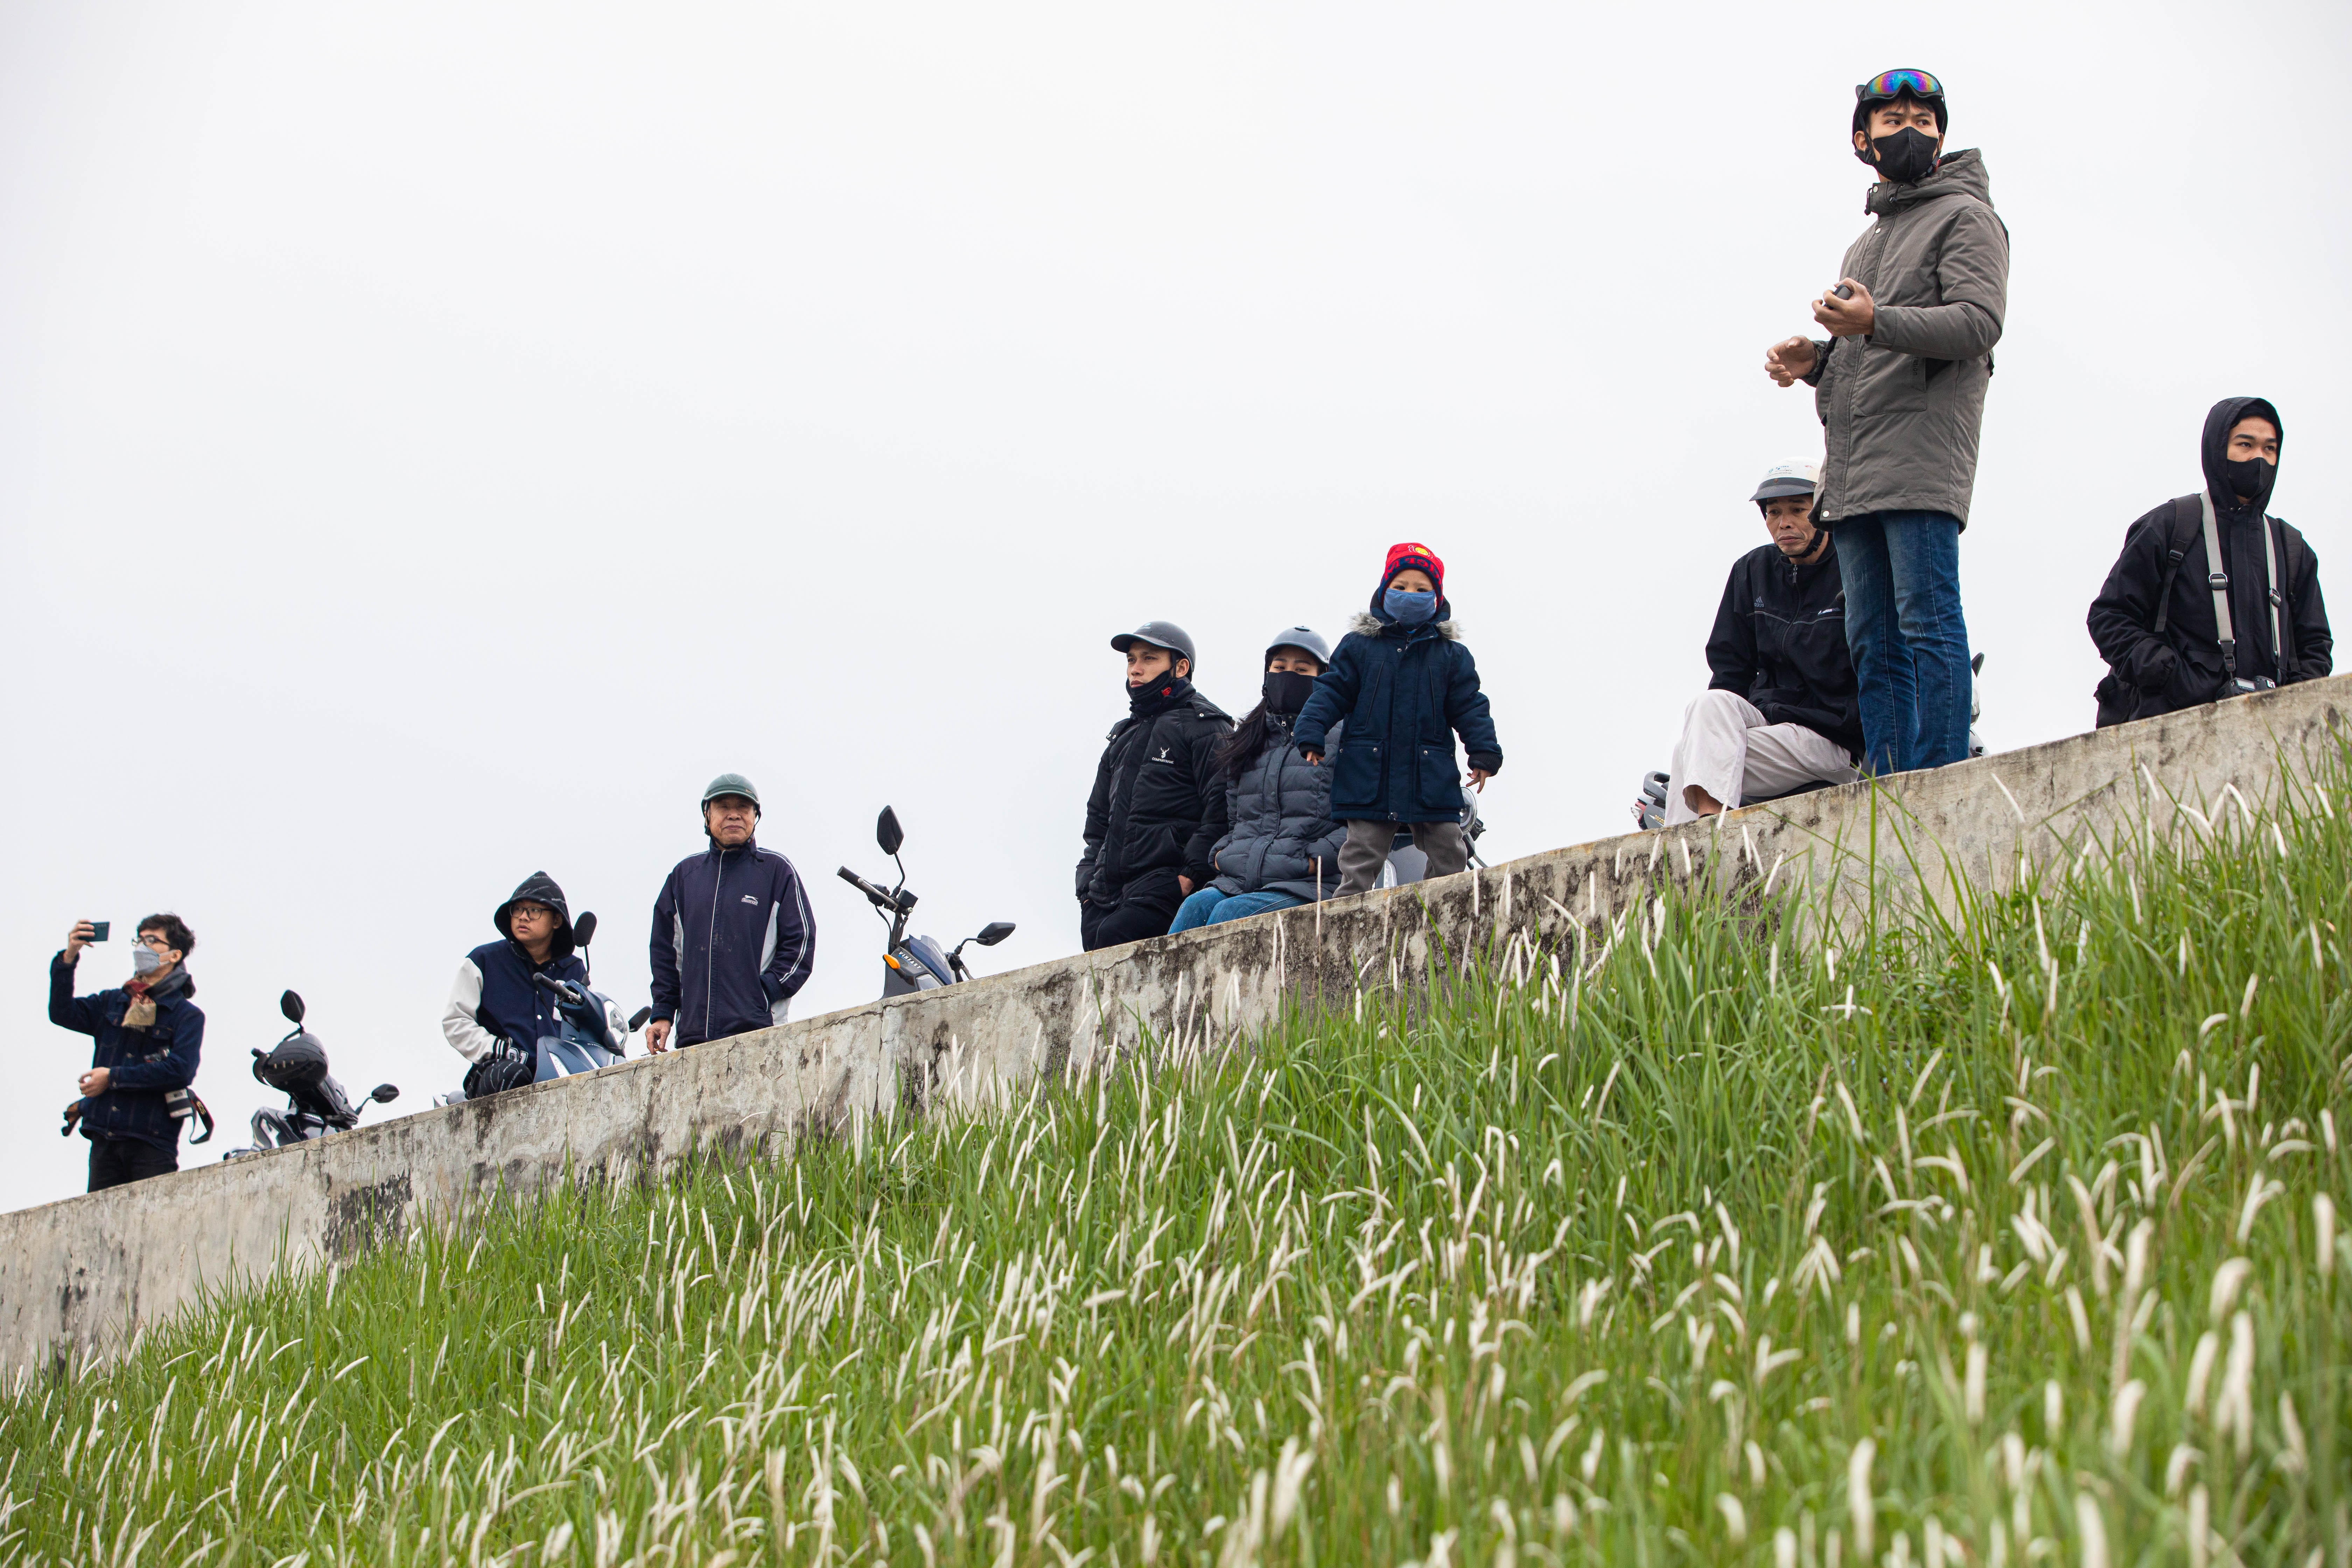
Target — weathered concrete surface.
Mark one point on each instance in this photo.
(77, 1277)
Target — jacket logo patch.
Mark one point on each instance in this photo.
(751, 901)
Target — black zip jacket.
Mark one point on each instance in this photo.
(143, 1065)
(733, 941)
(1157, 806)
(2148, 674)
(1780, 642)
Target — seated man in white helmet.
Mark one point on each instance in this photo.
(1781, 712)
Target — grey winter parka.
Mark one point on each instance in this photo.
(1282, 832)
(1900, 408)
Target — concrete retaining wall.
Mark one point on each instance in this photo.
(78, 1277)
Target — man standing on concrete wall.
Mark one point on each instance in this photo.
(150, 1037)
(733, 937)
(1900, 385)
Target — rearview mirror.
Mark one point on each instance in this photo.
(291, 1005)
(993, 933)
(384, 1093)
(583, 929)
(887, 833)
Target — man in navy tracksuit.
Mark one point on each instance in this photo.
(733, 938)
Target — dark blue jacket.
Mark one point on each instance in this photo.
(143, 1064)
(494, 999)
(1406, 693)
(733, 940)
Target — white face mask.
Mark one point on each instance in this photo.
(145, 960)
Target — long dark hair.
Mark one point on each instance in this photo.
(1247, 740)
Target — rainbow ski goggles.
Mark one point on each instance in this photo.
(1887, 86)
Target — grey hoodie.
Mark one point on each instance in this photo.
(1901, 407)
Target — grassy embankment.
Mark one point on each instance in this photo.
(2001, 1242)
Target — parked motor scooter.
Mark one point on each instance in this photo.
(911, 964)
(1649, 802)
(316, 1104)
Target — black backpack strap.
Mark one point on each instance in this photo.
(2294, 557)
(2187, 517)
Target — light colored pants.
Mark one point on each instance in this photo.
(1367, 850)
(1729, 749)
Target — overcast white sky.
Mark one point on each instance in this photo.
(435, 439)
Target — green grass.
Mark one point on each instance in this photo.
(1997, 1241)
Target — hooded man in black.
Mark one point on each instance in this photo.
(1159, 802)
(2155, 621)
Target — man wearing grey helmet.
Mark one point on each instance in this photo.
(1781, 710)
(1158, 804)
(733, 938)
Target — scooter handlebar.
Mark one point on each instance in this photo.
(880, 899)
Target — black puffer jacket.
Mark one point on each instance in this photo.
(1780, 642)
(1158, 804)
(1282, 832)
(2148, 674)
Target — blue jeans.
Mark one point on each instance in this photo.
(1209, 907)
(1901, 570)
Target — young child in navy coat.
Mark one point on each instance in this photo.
(1406, 687)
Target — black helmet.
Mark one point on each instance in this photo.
(503, 1068)
(1888, 86)
(295, 1062)
(1165, 635)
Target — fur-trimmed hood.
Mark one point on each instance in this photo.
(1368, 624)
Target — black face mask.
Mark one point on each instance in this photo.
(1287, 689)
(1156, 690)
(2251, 480)
(1907, 157)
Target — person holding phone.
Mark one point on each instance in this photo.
(1899, 383)
(150, 1035)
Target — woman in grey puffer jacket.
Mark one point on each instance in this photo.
(1280, 847)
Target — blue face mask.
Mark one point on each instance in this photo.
(1410, 608)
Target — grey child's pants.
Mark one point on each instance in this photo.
(1367, 850)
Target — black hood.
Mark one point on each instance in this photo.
(539, 888)
(2214, 452)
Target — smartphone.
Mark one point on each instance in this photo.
(98, 930)
(1844, 290)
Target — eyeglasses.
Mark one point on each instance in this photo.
(155, 942)
(1888, 85)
